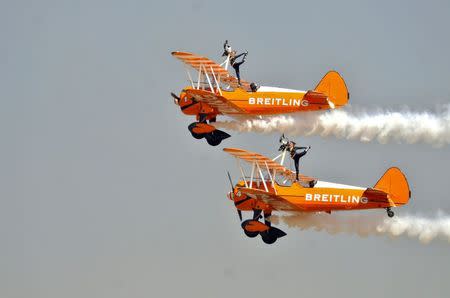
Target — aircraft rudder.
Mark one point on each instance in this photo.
(333, 85)
(394, 183)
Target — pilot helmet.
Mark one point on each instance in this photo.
(254, 87)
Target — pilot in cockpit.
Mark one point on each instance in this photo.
(254, 87)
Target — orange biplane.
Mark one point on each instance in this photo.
(217, 92)
(272, 187)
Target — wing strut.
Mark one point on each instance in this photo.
(262, 177)
(271, 177)
(215, 80)
(251, 176)
(282, 155)
(226, 62)
(199, 76)
(207, 78)
(189, 76)
(242, 172)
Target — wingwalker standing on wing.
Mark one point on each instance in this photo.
(296, 153)
(232, 55)
(214, 91)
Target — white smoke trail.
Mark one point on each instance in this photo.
(385, 126)
(421, 228)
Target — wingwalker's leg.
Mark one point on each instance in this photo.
(236, 67)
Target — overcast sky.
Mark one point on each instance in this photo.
(104, 193)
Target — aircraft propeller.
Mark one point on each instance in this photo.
(232, 191)
(176, 99)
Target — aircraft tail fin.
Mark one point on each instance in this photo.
(333, 85)
(394, 183)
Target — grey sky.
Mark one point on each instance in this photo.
(104, 193)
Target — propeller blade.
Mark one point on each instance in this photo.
(175, 98)
(239, 212)
(231, 181)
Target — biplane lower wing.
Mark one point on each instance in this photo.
(274, 201)
(218, 102)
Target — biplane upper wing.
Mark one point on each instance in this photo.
(210, 67)
(265, 163)
(274, 201)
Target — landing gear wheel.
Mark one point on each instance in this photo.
(390, 213)
(268, 237)
(251, 234)
(213, 142)
(212, 139)
(198, 136)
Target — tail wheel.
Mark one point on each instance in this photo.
(390, 213)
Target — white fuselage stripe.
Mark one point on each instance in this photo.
(324, 184)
